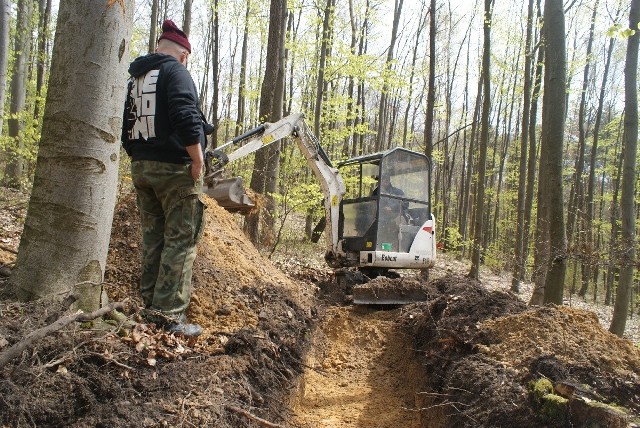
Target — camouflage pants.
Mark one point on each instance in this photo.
(172, 218)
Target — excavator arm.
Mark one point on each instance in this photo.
(230, 193)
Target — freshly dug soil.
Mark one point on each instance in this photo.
(481, 349)
(256, 323)
(283, 344)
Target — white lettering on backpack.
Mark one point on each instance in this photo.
(143, 93)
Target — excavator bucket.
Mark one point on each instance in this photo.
(386, 291)
(367, 295)
(230, 194)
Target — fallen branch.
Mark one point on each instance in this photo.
(29, 340)
(259, 421)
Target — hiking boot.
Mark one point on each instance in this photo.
(177, 324)
(181, 329)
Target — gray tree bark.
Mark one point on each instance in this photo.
(627, 203)
(382, 109)
(4, 54)
(553, 118)
(270, 108)
(431, 91)
(44, 12)
(325, 48)
(22, 47)
(474, 272)
(243, 73)
(186, 17)
(67, 229)
(153, 28)
(518, 269)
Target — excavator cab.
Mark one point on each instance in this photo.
(385, 219)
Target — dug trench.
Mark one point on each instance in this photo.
(281, 347)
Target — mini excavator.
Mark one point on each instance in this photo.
(384, 224)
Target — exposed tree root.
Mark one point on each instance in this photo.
(29, 340)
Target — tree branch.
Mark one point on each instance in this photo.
(254, 418)
(34, 336)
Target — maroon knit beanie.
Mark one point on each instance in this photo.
(170, 31)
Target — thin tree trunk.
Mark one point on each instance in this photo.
(587, 249)
(44, 15)
(531, 163)
(591, 259)
(627, 203)
(612, 267)
(5, 10)
(518, 270)
(474, 272)
(153, 28)
(382, 109)
(186, 21)
(215, 67)
(431, 92)
(243, 73)
(553, 118)
(327, 36)
(15, 162)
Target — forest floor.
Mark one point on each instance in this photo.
(283, 347)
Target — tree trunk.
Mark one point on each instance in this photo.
(153, 28)
(612, 268)
(270, 108)
(518, 269)
(382, 110)
(15, 161)
(586, 252)
(627, 203)
(327, 35)
(4, 54)
(474, 272)
(592, 259)
(44, 12)
(215, 66)
(431, 91)
(538, 294)
(186, 16)
(553, 118)
(68, 224)
(243, 73)
(273, 164)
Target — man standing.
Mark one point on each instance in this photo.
(163, 134)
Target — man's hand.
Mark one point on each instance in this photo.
(196, 170)
(197, 160)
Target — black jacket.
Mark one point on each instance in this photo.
(161, 114)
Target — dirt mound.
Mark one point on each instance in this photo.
(255, 324)
(483, 348)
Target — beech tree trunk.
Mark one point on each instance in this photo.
(22, 47)
(153, 28)
(474, 272)
(270, 109)
(627, 203)
(67, 229)
(518, 269)
(553, 118)
(44, 11)
(4, 54)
